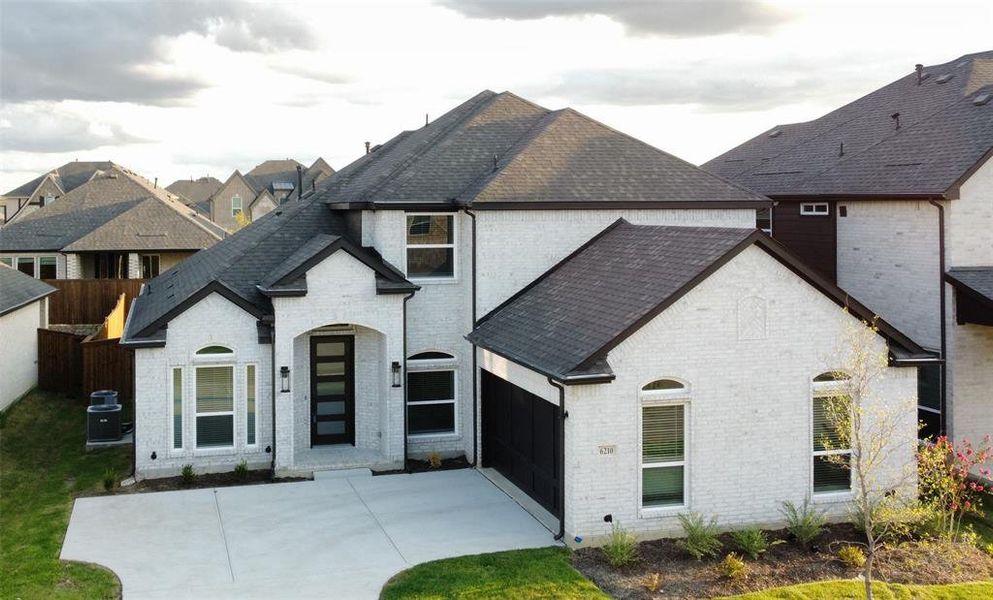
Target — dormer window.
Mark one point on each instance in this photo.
(431, 246)
(47, 199)
(236, 206)
(814, 209)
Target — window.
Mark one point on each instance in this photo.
(149, 266)
(214, 350)
(250, 405)
(235, 205)
(929, 401)
(431, 394)
(816, 209)
(215, 407)
(48, 199)
(47, 267)
(663, 444)
(763, 220)
(177, 408)
(25, 264)
(828, 475)
(431, 246)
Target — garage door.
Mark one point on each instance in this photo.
(521, 439)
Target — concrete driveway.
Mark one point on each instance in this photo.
(327, 538)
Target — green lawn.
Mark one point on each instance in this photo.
(519, 574)
(984, 525)
(43, 465)
(840, 590)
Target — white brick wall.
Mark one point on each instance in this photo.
(749, 444)
(970, 221)
(888, 260)
(19, 351)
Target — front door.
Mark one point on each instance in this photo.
(332, 390)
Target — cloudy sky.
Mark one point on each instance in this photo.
(175, 89)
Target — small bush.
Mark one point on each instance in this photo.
(804, 523)
(701, 536)
(753, 542)
(988, 549)
(852, 556)
(109, 479)
(969, 537)
(622, 549)
(733, 567)
(188, 475)
(434, 460)
(652, 582)
(241, 470)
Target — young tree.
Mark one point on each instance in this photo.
(870, 434)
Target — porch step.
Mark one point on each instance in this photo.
(341, 474)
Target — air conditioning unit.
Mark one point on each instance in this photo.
(103, 423)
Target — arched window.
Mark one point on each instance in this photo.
(431, 356)
(664, 409)
(209, 350)
(830, 400)
(432, 391)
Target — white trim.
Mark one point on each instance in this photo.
(241, 205)
(454, 278)
(813, 209)
(233, 412)
(428, 366)
(172, 410)
(652, 399)
(255, 371)
(826, 389)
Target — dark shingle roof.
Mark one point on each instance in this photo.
(18, 289)
(499, 150)
(69, 176)
(196, 191)
(564, 323)
(979, 280)
(943, 134)
(114, 210)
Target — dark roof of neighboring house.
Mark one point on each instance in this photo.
(977, 281)
(69, 176)
(275, 249)
(565, 322)
(114, 210)
(946, 131)
(501, 151)
(195, 191)
(18, 289)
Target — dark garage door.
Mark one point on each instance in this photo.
(521, 439)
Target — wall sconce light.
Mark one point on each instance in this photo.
(396, 374)
(284, 378)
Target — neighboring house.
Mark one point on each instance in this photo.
(261, 190)
(621, 287)
(23, 309)
(196, 192)
(47, 188)
(116, 225)
(884, 194)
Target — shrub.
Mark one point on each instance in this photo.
(653, 581)
(434, 460)
(852, 556)
(733, 567)
(701, 536)
(753, 542)
(988, 549)
(804, 523)
(188, 474)
(944, 479)
(109, 479)
(241, 470)
(622, 549)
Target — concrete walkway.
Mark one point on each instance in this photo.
(328, 538)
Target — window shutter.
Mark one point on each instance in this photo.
(177, 408)
(662, 434)
(250, 405)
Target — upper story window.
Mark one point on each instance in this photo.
(149, 266)
(664, 407)
(236, 206)
(814, 209)
(830, 447)
(431, 246)
(213, 350)
(47, 199)
(763, 219)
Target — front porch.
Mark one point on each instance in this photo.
(339, 457)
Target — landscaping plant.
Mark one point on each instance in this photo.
(733, 567)
(188, 474)
(701, 535)
(653, 582)
(109, 479)
(852, 556)
(241, 470)
(804, 523)
(622, 549)
(944, 470)
(434, 460)
(753, 542)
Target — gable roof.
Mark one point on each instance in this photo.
(501, 151)
(18, 290)
(945, 131)
(114, 210)
(265, 251)
(565, 322)
(975, 281)
(195, 191)
(69, 176)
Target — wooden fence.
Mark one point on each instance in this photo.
(89, 300)
(60, 361)
(106, 365)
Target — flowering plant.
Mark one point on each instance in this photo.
(945, 470)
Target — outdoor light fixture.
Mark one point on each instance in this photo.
(284, 378)
(396, 374)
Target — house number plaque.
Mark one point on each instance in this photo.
(606, 450)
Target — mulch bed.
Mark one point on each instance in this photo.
(784, 564)
(201, 481)
(423, 466)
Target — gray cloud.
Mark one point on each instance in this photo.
(676, 18)
(41, 130)
(314, 74)
(59, 50)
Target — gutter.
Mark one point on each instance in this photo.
(563, 415)
(475, 361)
(943, 420)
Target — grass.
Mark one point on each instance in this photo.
(44, 465)
(839, 590)
(984, 525)
(519, 574)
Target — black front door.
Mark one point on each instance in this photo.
(332, 390)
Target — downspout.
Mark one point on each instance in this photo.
(475, 366)
(563, 415)
(272, 408)
(943, 419)
(404, 380)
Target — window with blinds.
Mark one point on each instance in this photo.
(177, 408)
(215, 407)
(250, 405)
(663, 455)
(828, 448)
(430, 402)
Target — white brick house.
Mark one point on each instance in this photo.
(332, 332)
